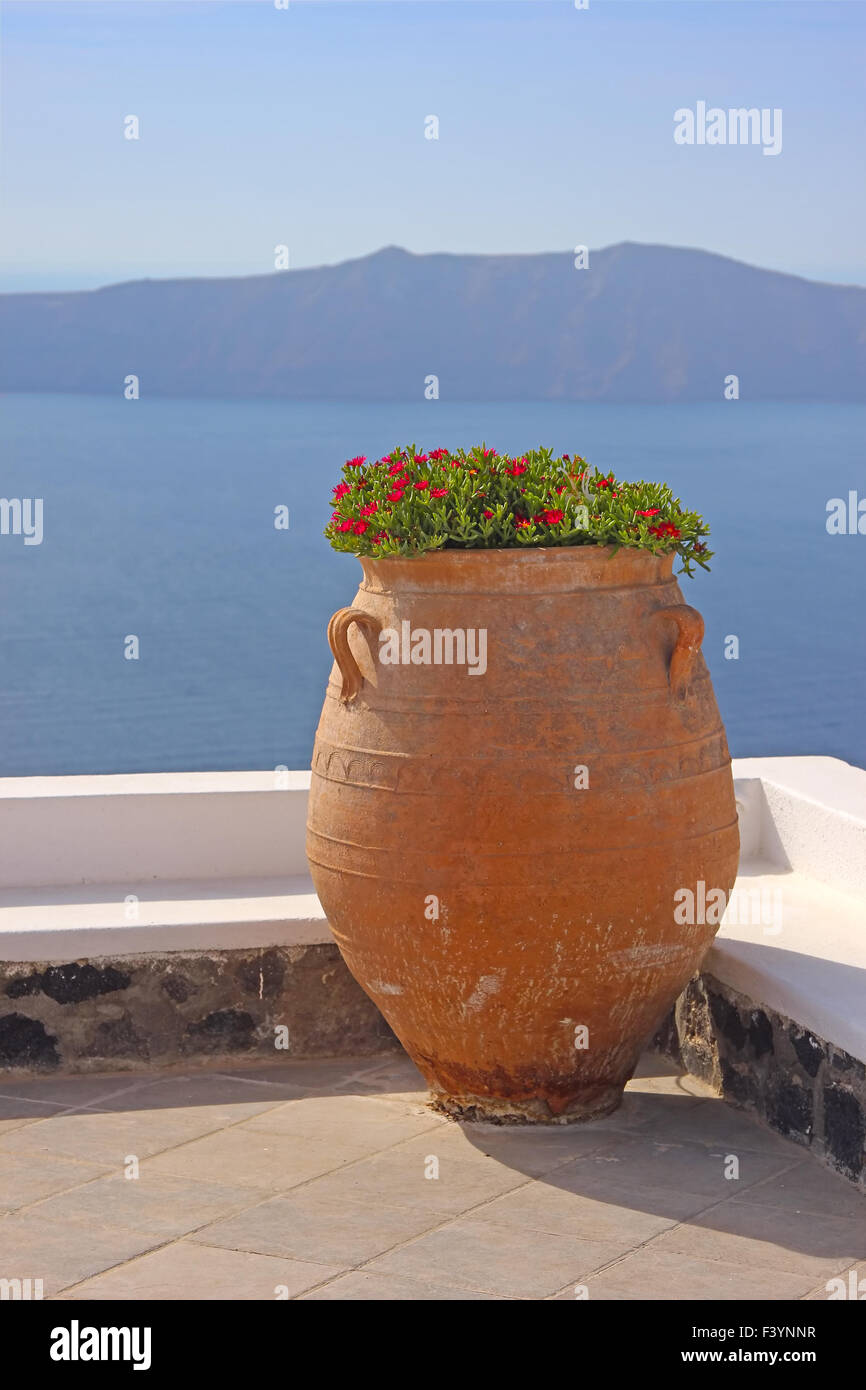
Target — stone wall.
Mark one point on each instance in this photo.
(800, 1085)
(137, 1012)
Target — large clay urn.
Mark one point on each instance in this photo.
(498, 851)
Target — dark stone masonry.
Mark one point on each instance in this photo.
(141, 1012)
(146, 1011)
(799, 1084)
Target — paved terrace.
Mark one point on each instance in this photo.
(308, 1180)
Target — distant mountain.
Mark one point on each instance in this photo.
(642, 323)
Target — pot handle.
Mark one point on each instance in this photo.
(684, 658)
(338, 640)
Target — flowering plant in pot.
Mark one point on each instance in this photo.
(409, 503)
(499, 858)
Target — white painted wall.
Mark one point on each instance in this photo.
(144, 827)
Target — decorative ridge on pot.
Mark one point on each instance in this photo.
(519, 768)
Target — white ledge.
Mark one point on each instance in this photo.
(125, 919)
(809, 965)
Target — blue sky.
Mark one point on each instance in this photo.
(305, 126)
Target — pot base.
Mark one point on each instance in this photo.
(491, 1111)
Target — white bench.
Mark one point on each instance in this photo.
(803, 833)
(127, 865)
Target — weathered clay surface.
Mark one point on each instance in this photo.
(145, 1010)
(490, 905)
(799, 1084)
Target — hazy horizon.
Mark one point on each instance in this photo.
(100, 284)
(305, 127)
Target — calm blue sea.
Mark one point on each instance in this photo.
(158, 522)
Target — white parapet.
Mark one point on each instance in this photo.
(154, 862)
(807, 815)
(124, 865)
(794, 939)
(143, 827)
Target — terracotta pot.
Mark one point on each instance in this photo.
(512, 915)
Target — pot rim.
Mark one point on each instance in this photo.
(507, 569)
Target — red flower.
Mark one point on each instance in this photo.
(357, 462)
(488, 514)
(422, 458)
(551, 517)
(516, 469)
(396, 495)
(340, 490)
(335, 516)
(370, 509)
(665, 528)
(360, 527)
(567, 459)
(420, 487)
(395, 469)
(520, 522)
(653, 511)
(345, 525)
(438, 454)
(382, 536)
(489, 453)
(560, 490)
(438, 491)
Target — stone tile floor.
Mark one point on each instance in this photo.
(331, 1179)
